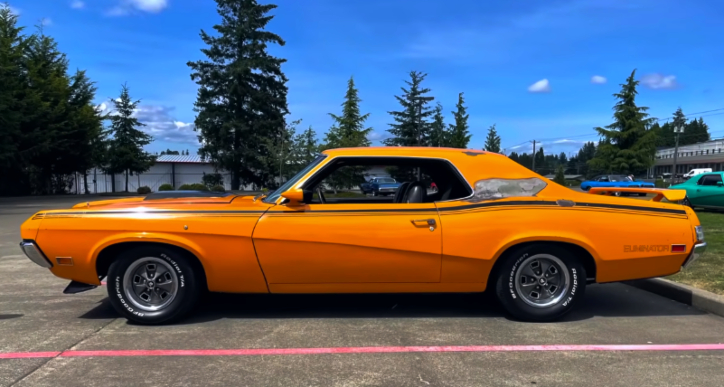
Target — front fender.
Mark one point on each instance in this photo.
(170, 239)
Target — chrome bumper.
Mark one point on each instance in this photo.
(697, 252)
(33, 252)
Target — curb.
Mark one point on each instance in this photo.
(700, 299)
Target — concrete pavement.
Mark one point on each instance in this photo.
(35, 316)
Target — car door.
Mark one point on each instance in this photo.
(374, 241)
(709, 191)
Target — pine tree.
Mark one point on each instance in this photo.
(439, 137)
(629, 143)
(411, 127)
(540, 159)
(459, 134)
(348, 131)
(125, 153)
(703, 131)
(242, 97)
(14, 151)
(492, 142)
(560, 176)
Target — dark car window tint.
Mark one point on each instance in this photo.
(710, 180)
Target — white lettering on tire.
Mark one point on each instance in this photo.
(511, 278)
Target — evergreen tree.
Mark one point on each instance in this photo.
(560, 176)
(14, 151)
(540, 160)
(459, 134)
(242, 97)
(125, 153)
(630, 144)
(348, 131)
(439, 137)
(703, 131)
(307, 147)
(411, 127)
(492, 142)
(562, 159)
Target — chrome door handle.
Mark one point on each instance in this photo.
(425, 222)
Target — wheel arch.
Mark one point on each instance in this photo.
(110, 252)
(587, 258)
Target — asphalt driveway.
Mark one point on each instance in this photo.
(340, 340)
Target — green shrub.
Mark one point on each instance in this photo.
(144, 190)
(560, 177)
(212, 179)
(193, 187)
(659, 183)
(165, 187)
(218, 188)
(573, 183)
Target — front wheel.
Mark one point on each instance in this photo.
(540, 282)
(152, 285)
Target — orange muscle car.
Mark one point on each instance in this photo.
(490, 224)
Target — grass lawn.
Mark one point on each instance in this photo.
(708, 271)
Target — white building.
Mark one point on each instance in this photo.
(709, 154)
(168, 169)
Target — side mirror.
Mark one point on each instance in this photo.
(295, 197)
(720, 184)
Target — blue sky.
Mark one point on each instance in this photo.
(526, 66)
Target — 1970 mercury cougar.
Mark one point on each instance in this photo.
(492, 224)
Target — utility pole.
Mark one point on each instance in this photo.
(677, 129)
(533, 155)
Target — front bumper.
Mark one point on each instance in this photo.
(696, 252)
(33, 252)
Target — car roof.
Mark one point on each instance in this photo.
(404, 151)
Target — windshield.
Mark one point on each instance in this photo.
(291, 182)
(385, 180)
(618, 178)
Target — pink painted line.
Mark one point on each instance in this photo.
(352, 350)
(27, 355)
(103, 283)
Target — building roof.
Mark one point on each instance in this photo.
(193, 159)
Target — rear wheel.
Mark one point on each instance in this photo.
(152, 285)
(540, 282)
(686, 202)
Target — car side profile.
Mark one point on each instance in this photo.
(609, 181)
(704, 190)
(491, 225)
(380, 186)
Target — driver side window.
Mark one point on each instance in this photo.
(347, 180)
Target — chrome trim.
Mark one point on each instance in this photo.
(699, 233)
(32, 251)
(330, 159)
(696, 252)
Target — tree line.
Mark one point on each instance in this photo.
(50, 129)
(627, 145)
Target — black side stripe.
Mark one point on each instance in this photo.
(531, 203)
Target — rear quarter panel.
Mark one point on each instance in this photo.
(473, 239)
(221, 241)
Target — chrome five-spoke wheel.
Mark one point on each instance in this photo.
(542, 280)
(150, 284)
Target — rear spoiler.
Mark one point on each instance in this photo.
(672, 195)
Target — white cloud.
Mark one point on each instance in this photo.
(542, 86)
(377, 136)
(597, 79)
(13, 10)
(161, 124)
(658, 81)
(46, 21)
(102, 107)
(127, 6)
(77, 4)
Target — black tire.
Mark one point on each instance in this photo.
(131, 306)
(563, 298)
(686, 202)
(586, 188)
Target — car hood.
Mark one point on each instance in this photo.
(143, 204)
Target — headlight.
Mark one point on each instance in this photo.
(699, 233)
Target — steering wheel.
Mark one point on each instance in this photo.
(320, 193)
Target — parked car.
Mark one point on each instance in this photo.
(696, 171)
(615, 181)
(493, 224)
(705, 190)
(380, 186)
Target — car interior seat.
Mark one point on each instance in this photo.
(401, 191)
(416, 193)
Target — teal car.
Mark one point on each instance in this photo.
(705, 190)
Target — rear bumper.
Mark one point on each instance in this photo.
(696, 252)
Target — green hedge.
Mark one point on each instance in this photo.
(144, 190)
(193, 187)
(165, 187)
(218, 188)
